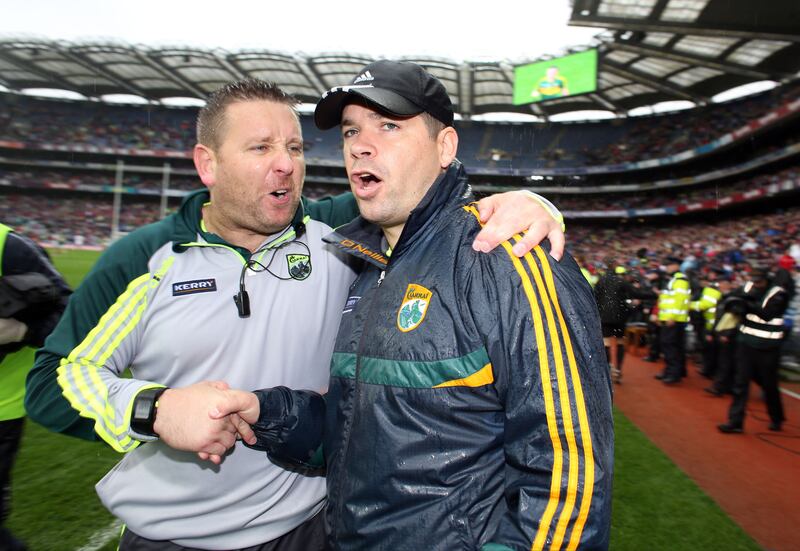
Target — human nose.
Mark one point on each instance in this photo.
(362, 146)
(283, 162)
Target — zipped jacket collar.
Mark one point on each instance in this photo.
(363, 239)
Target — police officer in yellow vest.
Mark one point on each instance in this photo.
(707, 304)
(32, 297)
(673, 314)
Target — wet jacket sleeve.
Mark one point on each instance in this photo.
(542, 333)
(290, 427)
(334, 210)
(337, 210)
(76, 385)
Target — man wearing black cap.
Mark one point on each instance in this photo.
(469, 405)
(673, 314)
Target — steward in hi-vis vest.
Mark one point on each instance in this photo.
(673, 313)
(760, 336)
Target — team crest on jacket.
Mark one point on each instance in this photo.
(299, 266)
(415, 304)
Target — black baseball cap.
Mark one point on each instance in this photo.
(399, 88)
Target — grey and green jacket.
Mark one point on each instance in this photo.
(159, 303)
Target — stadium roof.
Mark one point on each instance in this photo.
(653, 51)
(662, 50)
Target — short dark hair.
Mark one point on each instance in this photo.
(211, 117)
(433, 124)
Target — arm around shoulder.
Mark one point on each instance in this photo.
(333, 210)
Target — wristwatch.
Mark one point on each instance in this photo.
(143, 415)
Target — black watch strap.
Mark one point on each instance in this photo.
(143, 414)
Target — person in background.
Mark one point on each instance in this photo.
(706, 305)
(673, 314)
(656, 280)
(764, 301)
(33, 296)
(613, 294)
(723, 334)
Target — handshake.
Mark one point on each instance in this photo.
(209, 417)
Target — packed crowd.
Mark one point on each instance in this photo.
(56, 220)
(730, 243)
(734, 245)
(671, 198)
(32, 179)
(37, 122)
(661, 136)
(73, 179)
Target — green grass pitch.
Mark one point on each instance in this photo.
(54, 507)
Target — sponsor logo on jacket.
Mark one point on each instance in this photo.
(195, 286)
(350, 244)
(414, 307)
(299, 266)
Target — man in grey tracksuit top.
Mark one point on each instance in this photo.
(159, 302)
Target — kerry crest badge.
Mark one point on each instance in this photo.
(415, 304)
(299, 266)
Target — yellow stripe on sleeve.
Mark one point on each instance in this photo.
(78, 373)
(547, 393)
(566, 406)
(583, 418)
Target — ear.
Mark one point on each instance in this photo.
(205, 161)
(447, 141)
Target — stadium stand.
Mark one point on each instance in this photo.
(28, 123)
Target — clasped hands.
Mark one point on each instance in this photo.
(206, 418)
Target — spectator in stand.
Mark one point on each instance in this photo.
(82, 124)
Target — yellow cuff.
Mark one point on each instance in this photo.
(549, 207)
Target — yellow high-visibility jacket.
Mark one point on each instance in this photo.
(673, 302)
(708, 305)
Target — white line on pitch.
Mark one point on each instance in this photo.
(102, 536)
